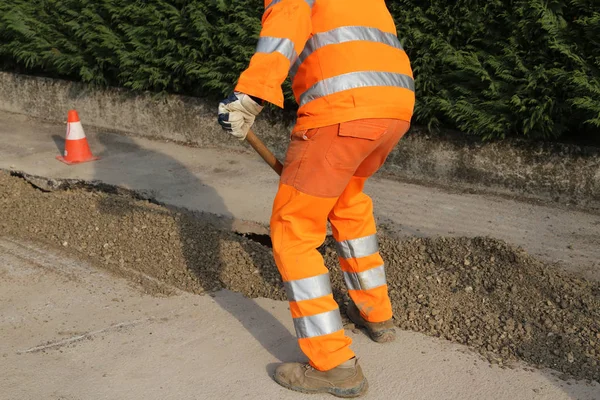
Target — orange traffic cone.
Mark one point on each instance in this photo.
(77, 149)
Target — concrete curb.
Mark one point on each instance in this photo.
(565, 174)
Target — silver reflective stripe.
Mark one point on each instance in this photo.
(365, 280)
(308, 288)
(268, 44)
(318, 325)
(355, 80)
(358, 248)
(342, 35)
(309, 2)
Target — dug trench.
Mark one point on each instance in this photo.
(479, 292)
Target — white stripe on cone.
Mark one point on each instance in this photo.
(75, 131)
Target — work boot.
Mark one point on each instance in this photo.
(345, 380)
(380, 332)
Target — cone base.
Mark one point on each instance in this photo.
(62, 159)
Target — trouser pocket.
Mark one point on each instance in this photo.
(355, 141)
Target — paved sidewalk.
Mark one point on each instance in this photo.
(72, 332)
(242, 186)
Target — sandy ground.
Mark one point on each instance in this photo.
(109, 340)
(474, 291)
(243, 187)
(72, 332)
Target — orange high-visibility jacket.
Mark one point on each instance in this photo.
(343, 57)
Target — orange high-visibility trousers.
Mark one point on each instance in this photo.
(323, 177)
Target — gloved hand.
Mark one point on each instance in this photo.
(237, 114)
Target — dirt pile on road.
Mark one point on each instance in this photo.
(476, 291)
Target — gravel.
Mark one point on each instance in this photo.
(479, 291)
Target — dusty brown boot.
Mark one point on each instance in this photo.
(346, 380)
(380, 332)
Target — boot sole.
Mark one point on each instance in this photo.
(343, 393)
(386, 336)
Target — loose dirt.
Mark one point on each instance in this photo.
(475, 291)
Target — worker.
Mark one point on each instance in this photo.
(354, 87)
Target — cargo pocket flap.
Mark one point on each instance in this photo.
(369, 129)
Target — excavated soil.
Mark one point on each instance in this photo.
(475, 291)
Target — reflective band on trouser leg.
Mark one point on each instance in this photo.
(320, 333)
(298, 228)
(267, 44)
(366, 283)
(358, 248)
(369, 279)
(308, 288)
(364, 275)
(362, 265)
(318, 324)
(342, 35)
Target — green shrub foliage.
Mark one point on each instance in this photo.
(491, 68)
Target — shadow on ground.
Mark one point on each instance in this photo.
(204, 249)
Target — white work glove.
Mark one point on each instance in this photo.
(237, 114)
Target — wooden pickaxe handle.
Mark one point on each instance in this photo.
(264, 152)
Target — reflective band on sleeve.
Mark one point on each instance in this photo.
(355, 80)
(308, 288)
(365, 280)
(358, 248)
(284, 46)
(342, 35)
(309, 2)
(318, 325)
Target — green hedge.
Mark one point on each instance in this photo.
(490, 68)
